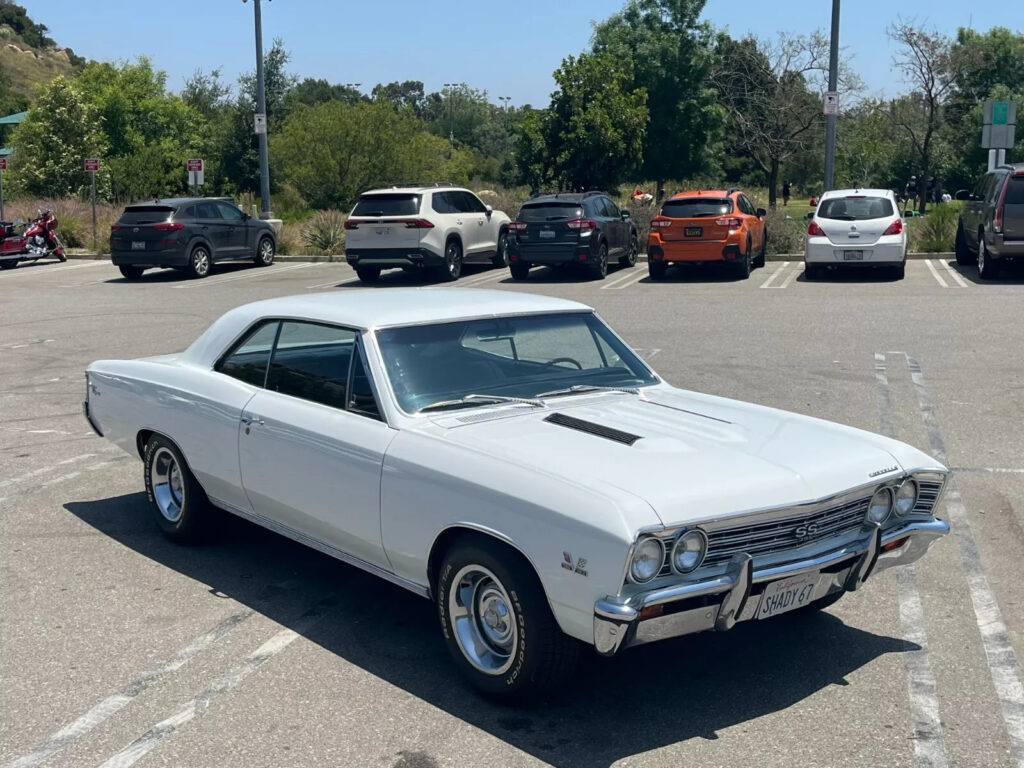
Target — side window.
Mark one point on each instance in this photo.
(206, 210)
(247, 361)
(462, 202)
(312, 362)
(229, 212)
(362, 400)
(440, 202)
(612, 209)
(744, 205)
(188, 212)
(995, 189)
(473, 203)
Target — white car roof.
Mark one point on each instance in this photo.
(849, 192)
(411, 190)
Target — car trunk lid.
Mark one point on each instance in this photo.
(547, 223)
(695, 218)
(1013, 208)
(142, 227)
(388, 220)
(855, 219)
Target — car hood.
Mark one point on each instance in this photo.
(696, 456)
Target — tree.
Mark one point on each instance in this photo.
(205, 93)
(924, 59)
(31, 33)
(671, 53)
(766, 90)
(407, 94)
(312, 92)
(59, 132)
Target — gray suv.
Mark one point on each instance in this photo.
(189, 234)
(991, 229)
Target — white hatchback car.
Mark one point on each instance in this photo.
(856, 227)
(425, 227)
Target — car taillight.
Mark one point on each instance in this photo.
(732, 223)
(814, 230)
(660, 222)
(416, 224)
(349, 224)
(895, 228)
(582, 224)
(997, 221)
(169, 226)
(517, 226)
(114, 227)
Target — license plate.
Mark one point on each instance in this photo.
(693, 231)
(547, 233)
(853, 255)
(138, 245)
(787, 595)
(384, 231)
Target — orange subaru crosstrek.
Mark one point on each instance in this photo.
(708, 225)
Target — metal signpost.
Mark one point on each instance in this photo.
(831, 106)
(194, 166)
(92, 164)
(260, 122)
(3, 167)
(999, 134)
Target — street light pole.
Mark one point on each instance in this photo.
(451, 112)
(833, 84)
(261, 117)
(505, 100)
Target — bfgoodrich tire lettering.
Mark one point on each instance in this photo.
(179, 503)
(539, 657)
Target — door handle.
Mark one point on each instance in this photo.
(248, 420)
(204, 228)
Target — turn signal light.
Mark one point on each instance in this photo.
(894, 544)
(814, 230)
(652, 611)
(895, 228)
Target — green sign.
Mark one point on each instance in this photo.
(1000, 112)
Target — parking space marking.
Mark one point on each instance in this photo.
(112, 704)
(64, 268)
(789, 279)
(634, 276)
(152, 738)
(775, 274)
(45, 470)
(954, 274)
(485, 277)
(991, 470)
(1002, 658)
(929, 741)
(935, 273)
(247, 275)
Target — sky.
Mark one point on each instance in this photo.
(506, 49)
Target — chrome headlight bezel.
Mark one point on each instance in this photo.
(638, 550)
(908, 483)
(685, 537)
(890, 503)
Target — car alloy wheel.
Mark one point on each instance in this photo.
(199, 264)
(988, 268)
(600, 268)
(501, 258)
(629, 260)
(480, 613)
(452, 261)
(265, 255)
(183, 512)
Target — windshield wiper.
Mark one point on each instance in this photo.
(582, 388)
(476, 399)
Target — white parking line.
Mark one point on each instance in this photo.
(40, 270)
(954, 274)
(789, 279)
(935, 273)
(775, 274)
(485, 277)
(634, 276)
(247, 275)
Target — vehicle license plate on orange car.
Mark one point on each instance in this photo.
(693, 231)
(787, 595)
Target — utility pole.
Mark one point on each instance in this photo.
(505, 100)
(260, 123)
(832, 117)
(451, 112)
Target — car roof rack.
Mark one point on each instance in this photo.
(730, 190)
(396, 185)
(581, 195)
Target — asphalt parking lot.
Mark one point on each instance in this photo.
(119, 648)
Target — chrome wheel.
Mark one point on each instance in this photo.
(168, 485)
(266, 254)
(480, 612)
(200, 265)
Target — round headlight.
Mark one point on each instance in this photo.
(880, 506)
(689, 550)
(906, 498)
(647, 560)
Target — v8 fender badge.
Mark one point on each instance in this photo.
(885, 471)
(580, 567)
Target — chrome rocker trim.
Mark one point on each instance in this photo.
(618, 623)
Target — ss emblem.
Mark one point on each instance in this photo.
(805, 530)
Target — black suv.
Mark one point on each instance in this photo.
(190, 234)
(584, 228)
(991, 229)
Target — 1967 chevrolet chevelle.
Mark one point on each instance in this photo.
(510, 458)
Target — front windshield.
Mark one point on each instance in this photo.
(520, 357)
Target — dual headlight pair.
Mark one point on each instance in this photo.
(688, 552)
(886, 502)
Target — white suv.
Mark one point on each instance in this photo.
(415, 228)
(856, 228)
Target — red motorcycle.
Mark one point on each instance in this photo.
(38, 241)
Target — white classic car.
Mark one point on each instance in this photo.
(509, 457)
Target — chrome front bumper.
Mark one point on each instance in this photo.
(721, 602)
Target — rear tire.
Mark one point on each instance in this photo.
(741, 267)
(656, 269)
(964, 257)
(812, 271)
(368, 275)
(450, 270)
(264, 252)
(199, 262)
(487, 596)
(988, 268)
(183, 513)
(900, 271)
(520, 271)
(9, 264)
(599, 269)
(131, 273)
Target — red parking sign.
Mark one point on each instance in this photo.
(3, 163)
(194, 164)
(92, 163)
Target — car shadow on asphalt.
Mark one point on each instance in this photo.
(161, 275)
(712, 272)
(854, 276)
(647, 698)
(1009, 274)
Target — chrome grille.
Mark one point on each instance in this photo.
(927, 495)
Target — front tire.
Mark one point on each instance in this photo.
(763, 255)
(183, 513)
(199, 262)
(497, 623)
(500, 259)
(265, 252)
(12, 264)
(131, 273)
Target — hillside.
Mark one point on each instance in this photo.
(26, 67)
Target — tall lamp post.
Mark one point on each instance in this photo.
(451, 109)
(505, 100)
(833, 84)
(260, 121)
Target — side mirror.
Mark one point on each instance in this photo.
(809, 215)
(489, 209)
(962, 194)
(245, 216)
(625, 215)
(761, 213)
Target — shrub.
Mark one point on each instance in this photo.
(325, 232)
(289, 240)
(785, 234)
(936, 231)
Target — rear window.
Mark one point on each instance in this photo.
(387, 205)
(145, 214)
(550, 212)
(696, 207)
(855, 208)
(1015, 191)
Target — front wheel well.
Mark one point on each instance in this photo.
(449, 536)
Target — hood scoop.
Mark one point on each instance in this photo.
(598, 430)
